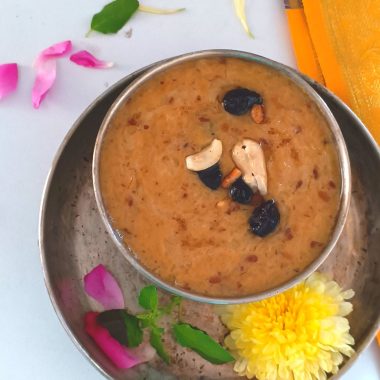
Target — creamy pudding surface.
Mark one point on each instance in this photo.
(197, 238)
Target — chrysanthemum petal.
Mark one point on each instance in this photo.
(8, 79)
(346, 350)
(321, 375)
(240, 12)
(159, 11)
(86, 59)
(102, 286)
(336, 358)
(120, 355)
(345, 308)
(46, 69)
(348, 294)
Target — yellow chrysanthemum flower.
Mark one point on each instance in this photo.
(300, 334)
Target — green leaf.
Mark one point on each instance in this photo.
(174, 301)
(123, 327)
(147, 315)
(147, 322)
(134, 332)
(113, 321)
(197, 340)
(156, 342)
(114, 16)
(148, 298)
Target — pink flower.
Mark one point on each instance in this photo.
(8, 79)
(102, 286)
(86, 59)
(46, 68)
(120, 355)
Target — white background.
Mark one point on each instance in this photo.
(33, 345)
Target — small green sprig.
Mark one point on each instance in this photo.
(128, 329)
(148, 299)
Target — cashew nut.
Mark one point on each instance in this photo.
(249, 158)
(206, 158)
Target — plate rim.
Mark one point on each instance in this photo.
(43, 208)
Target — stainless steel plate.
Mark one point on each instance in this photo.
(73, 241)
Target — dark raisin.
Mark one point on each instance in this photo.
(211, 177)
(240, 100)
(240, 191)
(265, 218)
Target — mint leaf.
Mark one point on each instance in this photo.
(114, 16)
(147, 315)
(147, 319)
(174, 301)
(197, 340)
(146, 323)
(156, 343)
(113, 321)
(123, 327)
(134, 332)
(148, 298)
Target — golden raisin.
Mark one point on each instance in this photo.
(257, 113)
(230, 178)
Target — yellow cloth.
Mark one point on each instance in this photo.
(345, 38)
(337, 42)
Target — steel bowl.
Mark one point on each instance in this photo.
(338, 141)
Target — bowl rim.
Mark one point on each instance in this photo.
(339, 143)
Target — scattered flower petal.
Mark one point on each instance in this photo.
(298, 334)
(45, 77)
(159, 11)
(86, 59)
(120, 355)
(54, 51)
(8, 79)
(240, 12)
(102, 286)
(46, 69)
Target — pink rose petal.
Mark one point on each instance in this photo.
(86, 59)
(120, 355)
(8, 79)
(45, 77)
(46, 68)
(102, 286)
(55, 51)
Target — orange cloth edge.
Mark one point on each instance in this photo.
(307, 60)
(331, 70)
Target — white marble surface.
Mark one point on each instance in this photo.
(33, 344)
